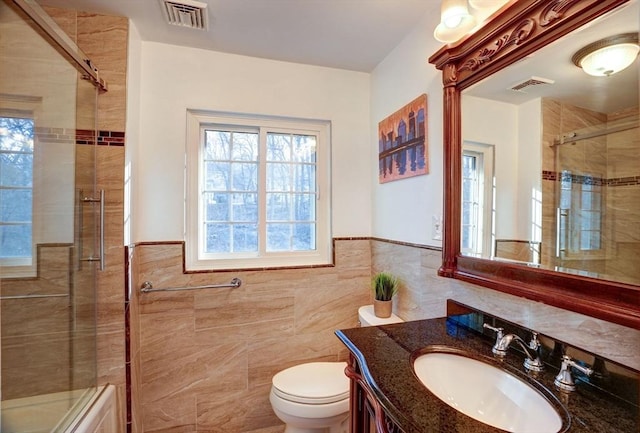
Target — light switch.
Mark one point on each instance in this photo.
(436, 227)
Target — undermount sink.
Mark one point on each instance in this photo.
(486, 393)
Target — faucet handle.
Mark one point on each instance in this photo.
(564, 379)
(500, 346)
(499, 331)
(534, 344)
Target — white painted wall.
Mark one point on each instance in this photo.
(402, 210)
(496, 123)
(175, 78)
(530, 169)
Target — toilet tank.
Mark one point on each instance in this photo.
(366, 317)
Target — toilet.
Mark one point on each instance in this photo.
(314, 397)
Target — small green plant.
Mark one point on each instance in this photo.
(384, 286)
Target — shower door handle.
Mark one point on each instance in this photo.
(562, 232)
(100, 258)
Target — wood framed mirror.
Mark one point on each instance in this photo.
(515, 32)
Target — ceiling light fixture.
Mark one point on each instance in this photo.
(456, 20)
(608, 56)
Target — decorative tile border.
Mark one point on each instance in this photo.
(80, 136)
(590, 180)
(105, 138)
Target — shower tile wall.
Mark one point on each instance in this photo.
(104, 39)
(25, 369)
(623, 195)
(207, 356)
(612, 159)
(22, 330)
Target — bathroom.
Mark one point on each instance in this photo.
(203, 360)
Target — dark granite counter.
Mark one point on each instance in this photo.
(385, 356)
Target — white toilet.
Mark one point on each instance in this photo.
(314, 397)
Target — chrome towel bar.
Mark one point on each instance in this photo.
(147, 287)
(55, 295)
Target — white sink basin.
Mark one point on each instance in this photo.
(486, 393)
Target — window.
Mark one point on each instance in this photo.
(579, 214)
(16, 191)
(477, 199)
(257, 192)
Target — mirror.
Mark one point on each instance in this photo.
(574, 246)
(571, 142)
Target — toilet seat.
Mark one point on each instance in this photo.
(312, 383)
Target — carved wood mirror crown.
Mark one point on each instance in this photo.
(517, 30)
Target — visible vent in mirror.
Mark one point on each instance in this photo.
(186, 13)
(533, 81)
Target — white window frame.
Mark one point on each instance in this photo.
(195, 257)
(484, 234)
(25, 267)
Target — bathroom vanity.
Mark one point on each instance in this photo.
(388, 396)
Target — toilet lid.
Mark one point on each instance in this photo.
(313, 383)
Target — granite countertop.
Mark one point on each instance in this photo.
(385, 355)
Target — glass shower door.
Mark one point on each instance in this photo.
(48, 232)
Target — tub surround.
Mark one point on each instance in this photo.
(383, 356)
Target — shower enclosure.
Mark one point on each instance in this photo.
(597, 197)
(50, 222)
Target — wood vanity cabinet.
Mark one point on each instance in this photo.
(367, 414)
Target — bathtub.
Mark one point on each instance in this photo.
(87, 411)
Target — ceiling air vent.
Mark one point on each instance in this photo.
(533, 81)
(186, 13)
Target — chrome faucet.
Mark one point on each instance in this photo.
(564, 379)
(532, 361)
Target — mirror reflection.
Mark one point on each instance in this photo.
(550, 164)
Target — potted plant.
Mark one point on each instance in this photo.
(384, 286)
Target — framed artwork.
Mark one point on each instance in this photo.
(402, 142)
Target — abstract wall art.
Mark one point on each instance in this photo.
(402, 142)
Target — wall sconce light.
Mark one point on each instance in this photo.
(608, 56)
(456, 20)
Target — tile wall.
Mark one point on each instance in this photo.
(203, 360)
(206, 357)
(425, 296)
(104, 39)
(422, 292)
(609, 163)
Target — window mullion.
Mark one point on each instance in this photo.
(202, 232)
(262, 192)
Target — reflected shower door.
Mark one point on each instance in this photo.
(598, 196)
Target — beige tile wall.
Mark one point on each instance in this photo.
(623, 201)
(608, 157)
(104, 39)
(35, 332)
(207, 356)
(422, 293)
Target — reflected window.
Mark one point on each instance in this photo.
(16, 191)
(579, 213)
(477, 200)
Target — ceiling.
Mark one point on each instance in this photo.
(358, 34)
(346, 34)
(571, 84)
